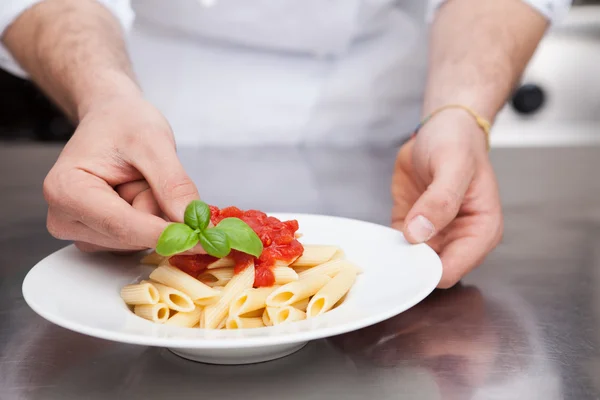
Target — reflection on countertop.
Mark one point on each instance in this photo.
(470, 343)
(464, 343)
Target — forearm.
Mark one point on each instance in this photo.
(478, 51)
(75, 52)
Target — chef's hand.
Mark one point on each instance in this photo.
(116, 178)
(445, 193)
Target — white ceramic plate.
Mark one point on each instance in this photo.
(80, 292)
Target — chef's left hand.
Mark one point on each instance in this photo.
(445, 193)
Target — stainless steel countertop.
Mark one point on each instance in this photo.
(525, 325)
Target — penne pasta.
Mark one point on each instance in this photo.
(165, 262)
(218, 293)
(339, 255)
(224, 262)
(315, 255)
(158, 313)
(186, 319)
(207, 301)
(140, 293)
(244, 323)
(266, 319)
(299, 270)
(177, 279)
(295, 291)
(340, 301)
(330, 268)
(210, 300)
(152, 258)
(174, 299)
(280, 315)
(253, 314)
(284, 275)
(283, 263)
(302, 304)
(331, 293)
(250, 300)
(215, 314)
(216, 276)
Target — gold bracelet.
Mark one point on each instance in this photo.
(483, 123)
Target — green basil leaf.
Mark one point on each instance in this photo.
(197, 215)
(176, 238)
(215, 242)
(241, 236)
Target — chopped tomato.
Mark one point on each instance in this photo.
(278, 238)
(192, 264)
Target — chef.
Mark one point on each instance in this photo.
(138, 76)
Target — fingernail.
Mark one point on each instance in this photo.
(421, 229)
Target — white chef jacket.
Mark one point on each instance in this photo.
(236, 72)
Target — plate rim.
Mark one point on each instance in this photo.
(244, 342)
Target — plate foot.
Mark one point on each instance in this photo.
(238, 356)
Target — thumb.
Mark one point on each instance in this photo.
(440, 203)
(170, 184)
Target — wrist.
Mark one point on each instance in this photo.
(454, 128)
(485, 101)
(104, 87)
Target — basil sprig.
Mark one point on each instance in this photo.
(230, 233)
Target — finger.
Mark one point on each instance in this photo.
(61, 226)
(94, 203)
(440, 202)
(404, 190)
(146, 202)
(124, 223)
(459, 258)
(436, 243)
(172, 187)
(128, 191)
(142, 198)
(404, 194)
(93, 248)
(463, 254)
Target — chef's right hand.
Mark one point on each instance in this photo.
(116, 179)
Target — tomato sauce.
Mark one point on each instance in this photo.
(278, 239)
(192, 264)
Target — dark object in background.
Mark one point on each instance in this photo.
(528, 99)
(26, 113)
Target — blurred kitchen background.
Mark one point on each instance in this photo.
(557, 102)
